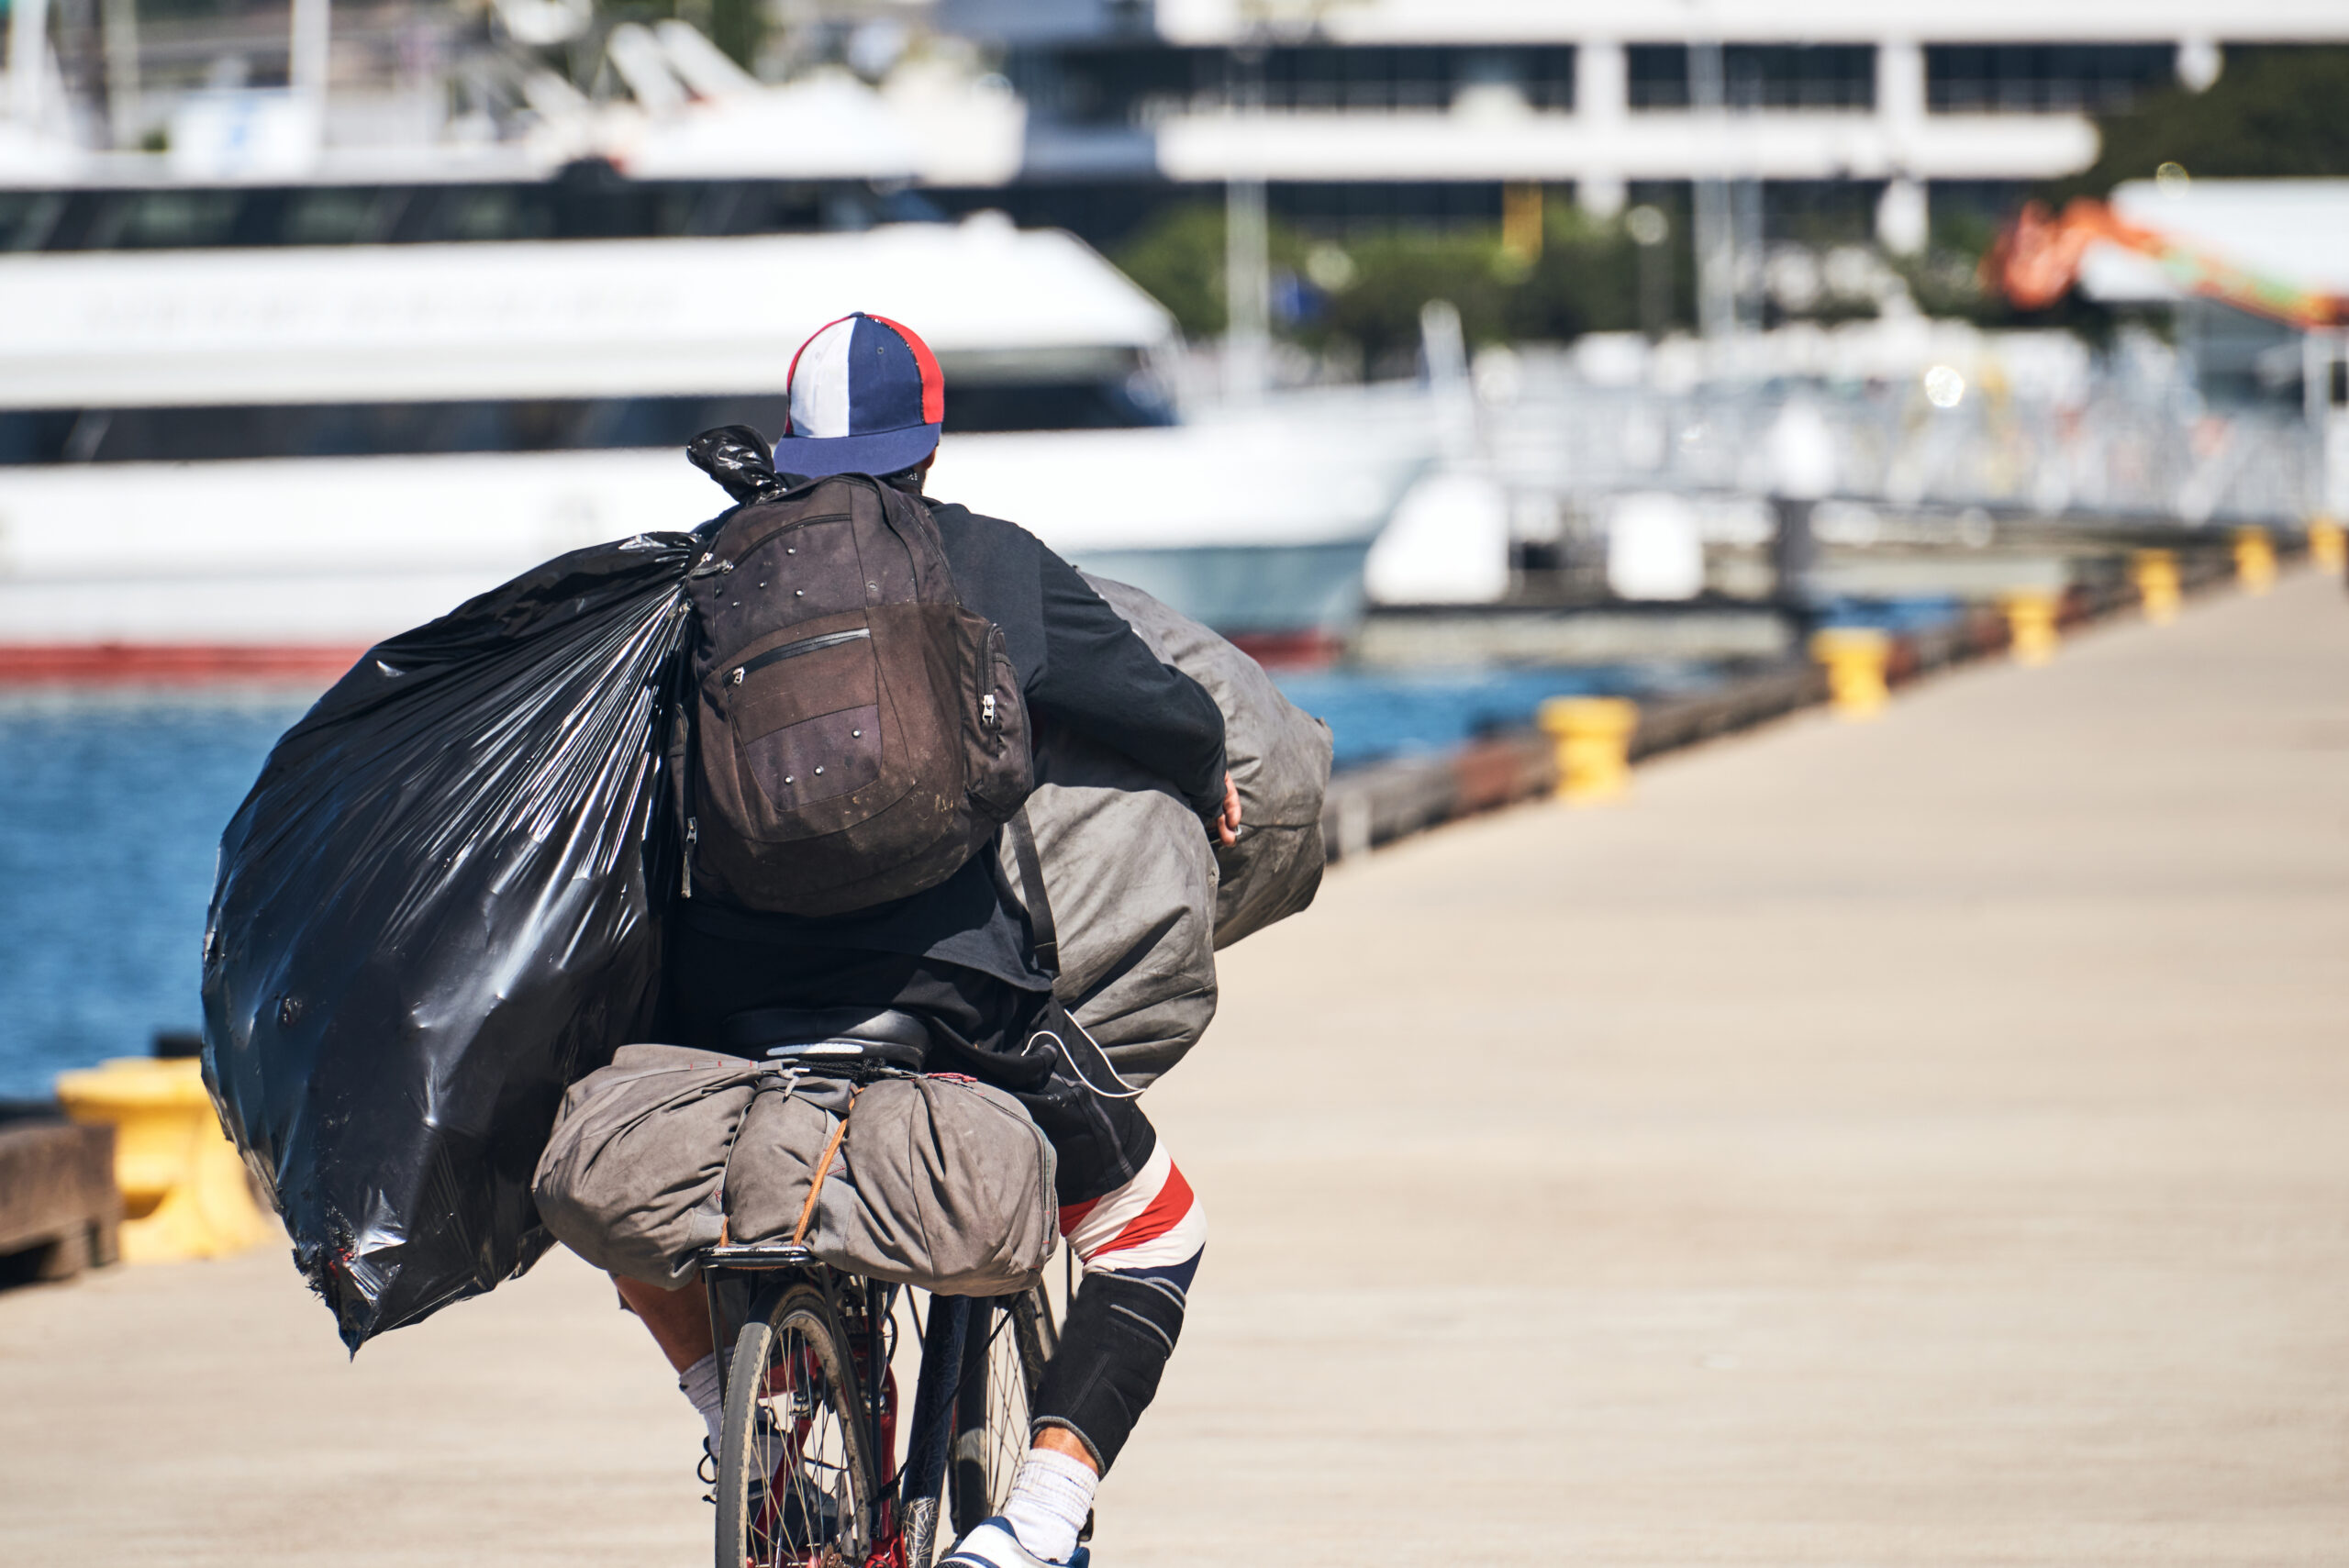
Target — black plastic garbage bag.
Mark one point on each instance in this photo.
(438, 908)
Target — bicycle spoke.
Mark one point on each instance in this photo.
(1007, 1404)
(807, 1507)
(993, 1400)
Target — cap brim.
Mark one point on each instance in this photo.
(883, 451)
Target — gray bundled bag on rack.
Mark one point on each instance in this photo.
(1139, 896)
(938, 1182)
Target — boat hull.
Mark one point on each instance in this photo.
(335, 553)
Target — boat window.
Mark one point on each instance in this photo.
(175, 220)
(333, 216)
(1055, 406)
(371, 429)
(584, 202)
(27, 216)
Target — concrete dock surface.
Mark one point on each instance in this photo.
(1920, 1142)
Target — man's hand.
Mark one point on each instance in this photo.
(1225, 822)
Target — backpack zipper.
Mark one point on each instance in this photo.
(793, 651)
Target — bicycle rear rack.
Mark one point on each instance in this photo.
(758, 1255)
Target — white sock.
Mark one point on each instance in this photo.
(700, 1382)
(1051, 1494)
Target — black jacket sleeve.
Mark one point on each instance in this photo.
(1079, 663)
(1098, 677)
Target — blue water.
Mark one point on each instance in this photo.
(1385, 713)
(110, 810)
(1916, 613)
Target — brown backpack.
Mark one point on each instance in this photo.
(853, 734)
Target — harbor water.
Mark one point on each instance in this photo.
(111, 804)
(1376, 714)
(111, 807)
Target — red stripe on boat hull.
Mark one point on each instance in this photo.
(165, 663)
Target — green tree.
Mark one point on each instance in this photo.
(1395, 275)
(739, 27)
(1177, 258)
(1586, 279)
(2274, 113)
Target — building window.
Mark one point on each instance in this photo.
(1112, 86)
(1656, 75)
(1129, 86)
(2044, 78)
(1321, 78)
(1758, 76)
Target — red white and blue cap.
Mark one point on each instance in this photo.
(866, 397)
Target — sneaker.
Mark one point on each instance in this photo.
(991, 1545)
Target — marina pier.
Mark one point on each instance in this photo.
(1915, 1142)
(1817, 538)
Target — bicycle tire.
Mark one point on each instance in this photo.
(813, 1506)
(1011, 1337)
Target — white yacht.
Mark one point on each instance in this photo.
(292, 450)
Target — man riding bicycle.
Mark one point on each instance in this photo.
(866, 397)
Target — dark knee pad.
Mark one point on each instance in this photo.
(1112, 1350)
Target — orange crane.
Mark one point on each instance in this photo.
(2037, 260)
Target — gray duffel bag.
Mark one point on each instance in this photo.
(938, 1182)
(1279, 757)
(1139, 896)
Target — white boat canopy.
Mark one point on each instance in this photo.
(549, 319)
(2295, 232)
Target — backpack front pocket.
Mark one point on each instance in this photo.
(816, 758)
(805, 716)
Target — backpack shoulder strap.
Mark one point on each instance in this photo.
(910, 515)
(1032, 890)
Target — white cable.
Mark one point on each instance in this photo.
(1130, 1093)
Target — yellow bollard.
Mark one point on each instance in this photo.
(2328, 545)
(184, 1191)
(1594, 742)
(2157, 585)
(2031, 625)
(1856, 657)
(2255, 559)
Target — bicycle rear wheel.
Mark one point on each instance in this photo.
(796, 1481)
(1010, 1340)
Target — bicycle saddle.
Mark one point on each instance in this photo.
(845, 1034)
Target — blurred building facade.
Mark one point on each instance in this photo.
(1837, 121)
(1843, 117)
(1845, 114)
